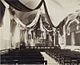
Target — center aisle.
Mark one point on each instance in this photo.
(50, 61)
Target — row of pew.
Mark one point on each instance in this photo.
(65, 56)
(23, 56)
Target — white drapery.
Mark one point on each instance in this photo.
(30, 25)
(17, 20)
(16, 36)
(35, 20)
(42, 29)
(5, 40)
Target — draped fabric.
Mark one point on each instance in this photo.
(45, 23)
(37, 28)
(22, 33)
(41, 25)
(6, 34)
(42, 29)
(44, 35)
(18, 21)
(35, 20)
(26, 37)
(20, 7)
(16, 36)
(12, 25)
(48, 17)
(36, 25)
(47, 29)
(2, 10)
(60, 26)
(30, 25)
(19, 34)
(6, 25)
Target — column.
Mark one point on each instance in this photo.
(73, 38)
(53, 39)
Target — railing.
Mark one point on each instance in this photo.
(39, 47)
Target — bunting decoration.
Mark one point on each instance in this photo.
(41, 25)
(38, 26)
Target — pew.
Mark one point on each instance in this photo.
(23, 57)
(65, 56)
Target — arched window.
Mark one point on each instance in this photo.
(72, 29)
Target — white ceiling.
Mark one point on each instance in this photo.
(58, 9)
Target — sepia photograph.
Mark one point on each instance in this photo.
(39, 32)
